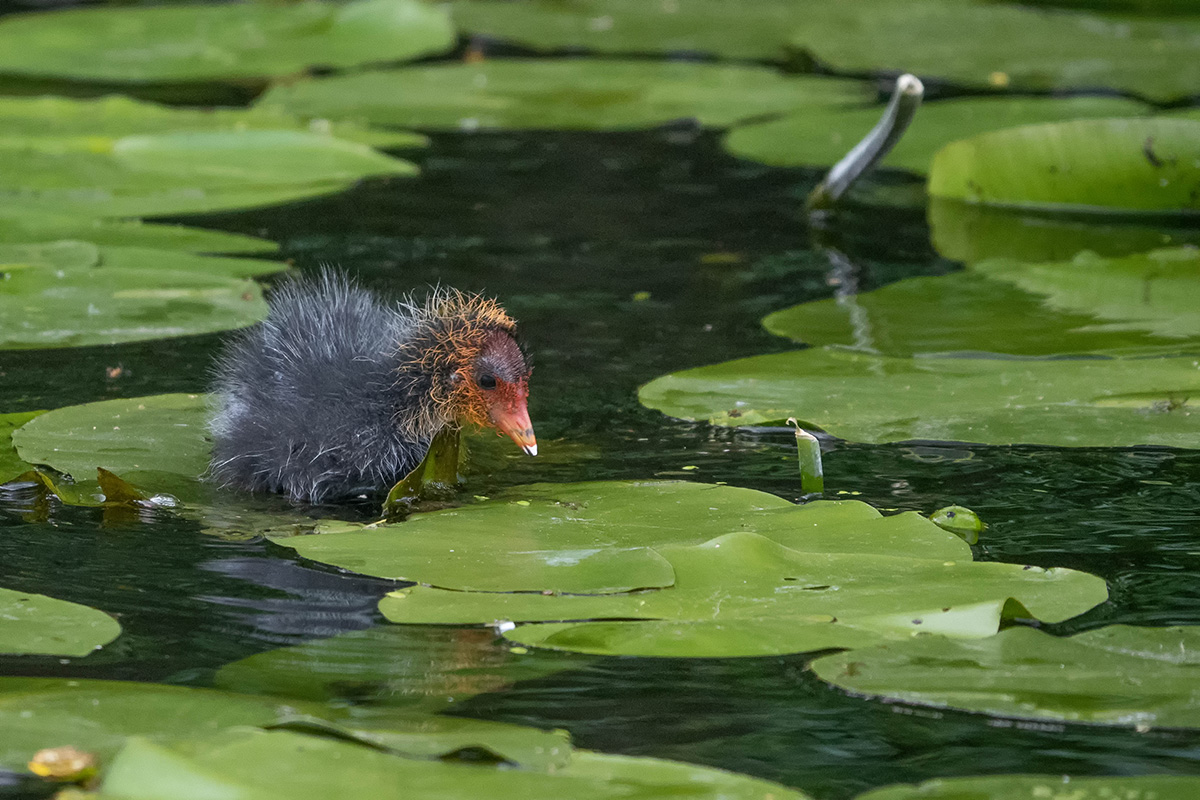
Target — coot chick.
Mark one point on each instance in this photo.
(338, 393)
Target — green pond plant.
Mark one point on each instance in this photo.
(1116, 675)
(192, 42)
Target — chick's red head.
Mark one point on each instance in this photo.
(480, 374)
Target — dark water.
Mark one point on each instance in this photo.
(570, 230)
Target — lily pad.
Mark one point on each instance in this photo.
(98, 716)
(1122, 165)
(1002, 45)
(1119, 675)
(584, 94)
(743, 594)
(184, 42)
(39, 118)
(1086, 305)
(821, 137)
(182, 172)
(70, 294)
(19, 225)
(1098, 402)
(268, 764)
(130, 437)
(753, 31)
(11, 464)
(1043, 787)
(33, 624)
(602, 538)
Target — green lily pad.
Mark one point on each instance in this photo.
(130, 437)
(20, 225)
(69, 294)
(822, 137)
(11, 464)
(181, 42)
(573, 93)
(270, 764)
(752, 31)
(971, 233)
(1125, 165)
(98, 716)
(602, 538)
(33, 624)
(390, 666)
(39, 118)
(1043, 787)
(1119, 402)
(1118, 675)
(182, 172)
(1003, 45)
(1087, 305)
(743, 594)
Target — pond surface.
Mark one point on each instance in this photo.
(624, 256)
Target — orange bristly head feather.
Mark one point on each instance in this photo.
(458, 336)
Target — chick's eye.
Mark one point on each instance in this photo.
(487, 381)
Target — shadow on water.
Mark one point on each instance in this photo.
(625, 256)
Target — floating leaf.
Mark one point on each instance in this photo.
(602, 537)
(1089, 304)
(1117, 402)
(21, 225)
(288, 764)
(1124, 165)
(1040, 787)
(64, 295)
(98, 716)
(182, 172)
(11, 464)
(181, 42)
(1119, 675)
(753, 31)
(159, 434)
(35, 119)
(1002, 45)
(743, 594)
(574, 93)
(821, 137)
(33, 624)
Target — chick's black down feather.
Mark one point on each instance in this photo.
(307, 402)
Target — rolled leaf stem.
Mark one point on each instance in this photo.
(808, 449)
(906, 98)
